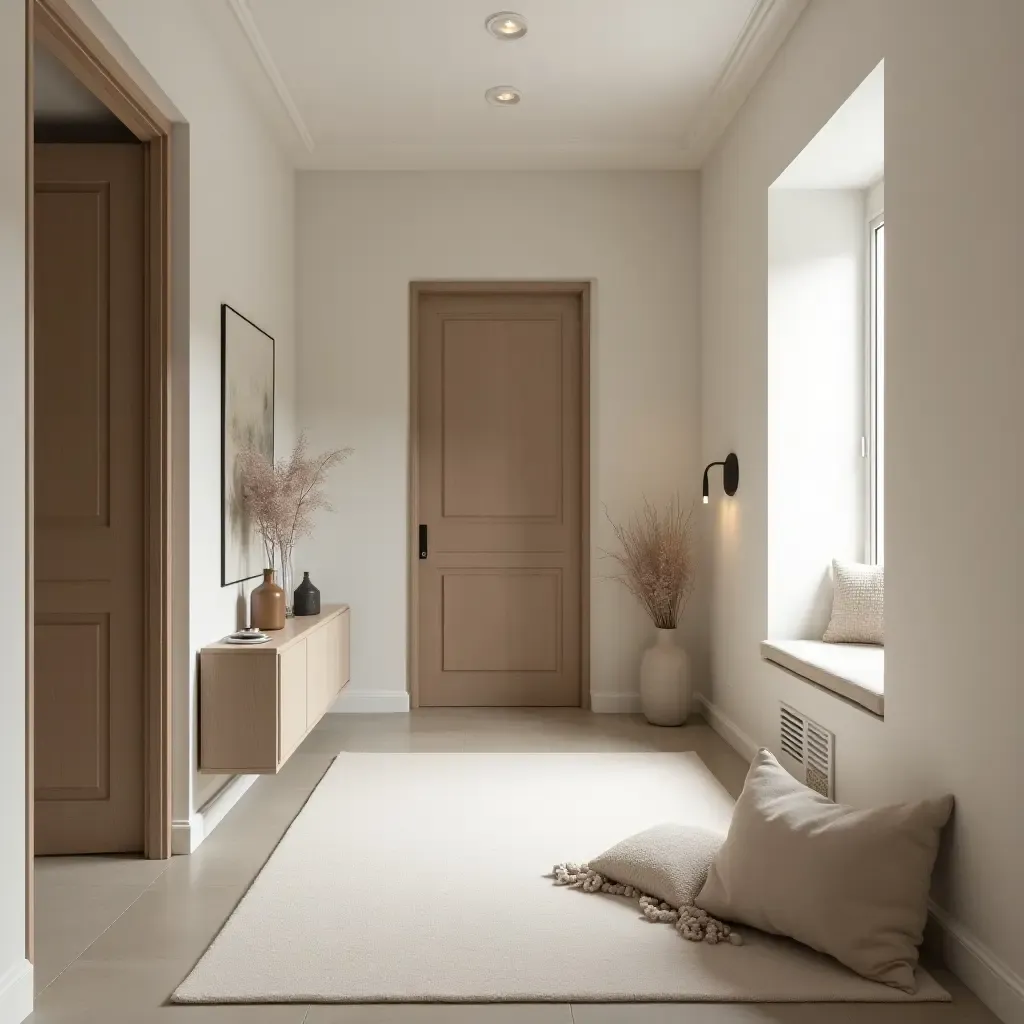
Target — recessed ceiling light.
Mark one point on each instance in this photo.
(506, 25)
(503, 96)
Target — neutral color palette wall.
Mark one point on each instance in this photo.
(954, 545)
(362, 237)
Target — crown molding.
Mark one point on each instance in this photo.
(766, 28)
(362, 154)
(240, 8)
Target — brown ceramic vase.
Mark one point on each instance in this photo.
(266, 603)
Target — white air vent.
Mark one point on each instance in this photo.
(808, 751)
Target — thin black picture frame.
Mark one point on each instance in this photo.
(224, 309)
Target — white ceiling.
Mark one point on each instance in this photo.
(849, 151)
(399, 84)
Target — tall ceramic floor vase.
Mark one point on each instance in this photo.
(665, 681)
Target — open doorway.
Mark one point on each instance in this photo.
(98, 724)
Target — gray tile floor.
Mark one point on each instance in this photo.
(115, 936)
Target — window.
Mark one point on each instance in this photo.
(876, 390)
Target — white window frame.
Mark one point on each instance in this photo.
(875, 398)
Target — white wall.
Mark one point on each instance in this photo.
(874, 201)
(955, 422)
(362, 238)
(15, 971)
(816, 365)
(241, 243)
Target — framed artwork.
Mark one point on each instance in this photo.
(247, 417)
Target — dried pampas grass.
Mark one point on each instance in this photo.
(657, 560)
(282, 497)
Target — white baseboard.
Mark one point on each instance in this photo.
(187, 835)
(988, 977)
(370, 702)
(991, 980)
(614, 703)
(727, 729)
(16, 992)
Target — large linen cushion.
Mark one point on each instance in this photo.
(850, 883)
(858, 604)
(669, 861)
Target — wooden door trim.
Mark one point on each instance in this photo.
(417, 291)
(75, 45)
(55, 24)
(30, 567)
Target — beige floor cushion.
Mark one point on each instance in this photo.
(850, 883)
(668, 861)
(664, 867)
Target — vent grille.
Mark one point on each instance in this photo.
(808, 751)
(793, 732)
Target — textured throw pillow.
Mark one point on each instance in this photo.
(663, 867)
(858, 595)
(850, 883)
(668, 861)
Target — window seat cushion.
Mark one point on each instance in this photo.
(854, 671)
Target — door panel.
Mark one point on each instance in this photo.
(89, 337)
(502, 417)
(73, 702)
(499, 479)
(501, 621)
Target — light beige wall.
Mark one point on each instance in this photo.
(874, 200)
(362, 238)
(955, 422)
(15, 971)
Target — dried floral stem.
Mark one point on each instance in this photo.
(281, 498)
(657, 560)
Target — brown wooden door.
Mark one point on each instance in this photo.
(499, 479)
(89, 323)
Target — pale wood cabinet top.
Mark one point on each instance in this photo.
(294, 630)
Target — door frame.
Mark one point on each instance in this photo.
(417, 291)
(55, 25)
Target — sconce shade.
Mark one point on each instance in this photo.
(731, 474)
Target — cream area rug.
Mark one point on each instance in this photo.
(419, 878)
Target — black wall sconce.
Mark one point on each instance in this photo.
(730, 475)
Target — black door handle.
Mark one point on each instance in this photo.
(423, 540)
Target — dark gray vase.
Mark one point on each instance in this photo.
(307, 597)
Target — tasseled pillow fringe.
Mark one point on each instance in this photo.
(691, 922)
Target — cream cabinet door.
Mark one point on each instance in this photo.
(319, 671)
(292, 697)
